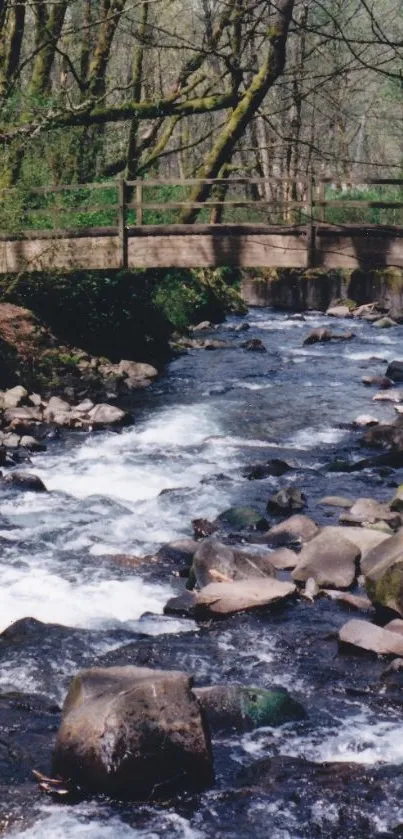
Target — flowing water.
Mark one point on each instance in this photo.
(195, 430)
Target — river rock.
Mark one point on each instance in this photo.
(133, 732)
(384, 580)
(215, 562)
(339, 312)
(298, 527)
(104, 415)
(388, 550)
(283, 559)
(13, 397)
(286, 500)
(25, 481)
(392, 395)
(363, 538)
(253, 345)
(330, 559)
(31, 444)
(378, 381)
(274, 467)
(336, 501)
(368, 511)
(29, 415)
(237, 708)
(397, 500)
(356, 601)
(322, 335)
(228, 598)
(368, 637)
(384, 323)
(395, 626)
(395, 371)
(365, 421)
(386, 436)
(136, 371)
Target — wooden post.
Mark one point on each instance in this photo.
(139, 202)
(310, 225)
(122, 223)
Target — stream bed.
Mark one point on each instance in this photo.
(338, 772)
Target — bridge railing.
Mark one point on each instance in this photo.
(119, 205)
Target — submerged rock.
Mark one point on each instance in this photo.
(241, 518)
(254, 345)
(273, 467)
(286, 500)
(234, 707)
(133, 732)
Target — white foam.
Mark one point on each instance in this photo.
(358, 738)
(88, 822)
(42, 594)
(309, 438)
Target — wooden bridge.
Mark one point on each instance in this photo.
(276, 223)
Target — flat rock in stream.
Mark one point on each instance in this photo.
(133, 732)
(219, 599)
(368, 637)
(369, 511)
(330, 559)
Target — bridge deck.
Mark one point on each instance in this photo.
(238, 245)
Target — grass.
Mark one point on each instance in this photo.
(25, 209)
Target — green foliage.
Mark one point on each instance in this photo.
(188, 297)
(365, 215)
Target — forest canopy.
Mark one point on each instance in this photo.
(93, 89)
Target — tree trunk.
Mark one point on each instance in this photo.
(272, 67)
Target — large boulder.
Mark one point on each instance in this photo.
(363, 538)
(340, 311)
(133, 732)
(218, 599)
(237, 708)
(215, 562)
(330, 559)
(368, 637)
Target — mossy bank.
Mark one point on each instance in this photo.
(298, 290)
(49, 323)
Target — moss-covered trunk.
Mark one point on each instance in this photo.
(262, 81)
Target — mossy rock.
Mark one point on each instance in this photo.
(238, 708)
(387, 590)
(242, 518)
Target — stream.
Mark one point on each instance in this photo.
(196, 429)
